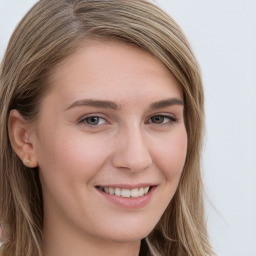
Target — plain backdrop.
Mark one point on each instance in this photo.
(223, 36)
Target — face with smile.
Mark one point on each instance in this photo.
(110, 143)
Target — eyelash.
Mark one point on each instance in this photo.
(171, 120)
(83, 120)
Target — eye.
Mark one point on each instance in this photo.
(162, 119)
(93, 120)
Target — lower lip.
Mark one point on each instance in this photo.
(129, 202)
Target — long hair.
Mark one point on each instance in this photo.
(51, 31)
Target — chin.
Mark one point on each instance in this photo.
(129, 235)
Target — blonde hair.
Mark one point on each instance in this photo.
(50, 32)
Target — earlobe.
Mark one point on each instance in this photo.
(20, 137)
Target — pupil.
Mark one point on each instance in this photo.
(92, 120)
(157, 119)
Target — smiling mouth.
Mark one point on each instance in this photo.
(124, 192)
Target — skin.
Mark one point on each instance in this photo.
(134, 142)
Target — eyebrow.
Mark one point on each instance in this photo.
(167, 103)
(116, 106)
(95, 103)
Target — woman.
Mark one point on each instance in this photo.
(102, 122)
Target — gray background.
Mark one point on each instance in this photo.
(223, 36)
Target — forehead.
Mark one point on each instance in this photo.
(120, 67)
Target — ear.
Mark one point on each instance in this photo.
(20, 132)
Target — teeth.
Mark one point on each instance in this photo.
(135, 192)
(126, 192)
(141, 191)
(111, 191)
(117, 191)
(146, 189)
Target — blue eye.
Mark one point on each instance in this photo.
(162, 119)
(93, 120)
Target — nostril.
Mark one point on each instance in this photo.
(132, 163)
(132, 152)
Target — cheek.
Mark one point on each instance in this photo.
(68, 165)
(171, 154)
(71, 155)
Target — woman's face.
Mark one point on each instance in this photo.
(110, 142)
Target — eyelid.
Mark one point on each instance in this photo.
(83, 118)
(172, 117)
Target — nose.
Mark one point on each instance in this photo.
(131, 151)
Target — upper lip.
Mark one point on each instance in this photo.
(127, 186)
